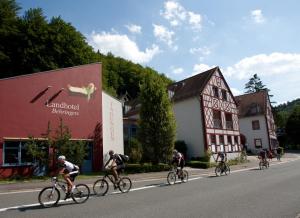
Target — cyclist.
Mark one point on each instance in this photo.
(69, 172)
(116, 165)
(223, 158)
(178, 160)
(263, 155)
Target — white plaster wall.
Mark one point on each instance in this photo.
(112, 125)
(189, 125)
(246, 129)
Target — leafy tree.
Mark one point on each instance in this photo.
(9, 31)
(74, 151)
(39, 150)
(134, 151)
(157, 123)
(293, 126)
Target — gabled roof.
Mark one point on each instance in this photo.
(252, 104)
(191, 86)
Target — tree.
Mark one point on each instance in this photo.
(9, 31)
(75, 151)
(293, 126)
(157, 123)
(254, 84)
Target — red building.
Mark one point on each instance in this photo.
(30, 102)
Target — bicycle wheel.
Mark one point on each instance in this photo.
(125, 184)
(81, 193)
(185, 176)
(49, 196)
(267, 164)
(227, 169)
(218, 171)
(171, 178)
(261, 166)
(100, 187)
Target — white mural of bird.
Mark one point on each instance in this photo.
(85, 90)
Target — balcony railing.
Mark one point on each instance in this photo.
(217, 123)
(229, 125)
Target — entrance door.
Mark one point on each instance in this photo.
(87, 163)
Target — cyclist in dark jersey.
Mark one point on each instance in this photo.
(115, 164)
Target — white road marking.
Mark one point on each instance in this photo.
(135, 189)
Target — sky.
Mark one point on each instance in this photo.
(181, 38)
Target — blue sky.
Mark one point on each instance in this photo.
(182, 38)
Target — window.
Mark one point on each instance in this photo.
(217, 119)
(229, 140)
(229, 123)
(15, 153)
(216, 91)
(224, 95)
(236, 140)
(213, 139)
(221, 138)
(255, 125)
(257, 143)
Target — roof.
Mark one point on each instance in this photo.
(252, 104)
(191, 86)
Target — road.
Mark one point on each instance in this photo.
(246, 193)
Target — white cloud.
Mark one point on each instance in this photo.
(121, 45)
(177, 71)
(163, 34)
(200, 68)
(134, 28)
(236, 92)
(195, 20)
(257, 16)
(176, 14)
(265, 65)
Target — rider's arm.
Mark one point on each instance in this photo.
(107, 162)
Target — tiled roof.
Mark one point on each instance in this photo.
(191, 86)
(252, 104)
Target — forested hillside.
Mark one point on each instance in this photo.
(283, 111)
(32, 43)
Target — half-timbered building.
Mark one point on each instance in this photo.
(256, 120)
(206, 114)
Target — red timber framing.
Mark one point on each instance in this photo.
(224, 125)
(270, 125)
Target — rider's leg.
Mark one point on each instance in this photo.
(115, 173)
(69, 182)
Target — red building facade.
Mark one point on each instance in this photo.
(30, 102)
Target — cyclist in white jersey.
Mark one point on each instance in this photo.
(69, 172)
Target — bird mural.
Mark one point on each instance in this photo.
(84, 90)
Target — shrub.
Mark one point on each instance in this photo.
(135, 151)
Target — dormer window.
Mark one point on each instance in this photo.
(216, 91)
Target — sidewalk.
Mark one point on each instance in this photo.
(253, 162)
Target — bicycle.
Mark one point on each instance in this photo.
(101, 186)
(222, 167)
(177, 173)
(263, 164)
(50, 196)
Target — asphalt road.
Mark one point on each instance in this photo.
(274, 192)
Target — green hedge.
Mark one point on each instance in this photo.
(145, 168)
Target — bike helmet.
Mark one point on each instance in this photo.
(61, 157)
(111, 152)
